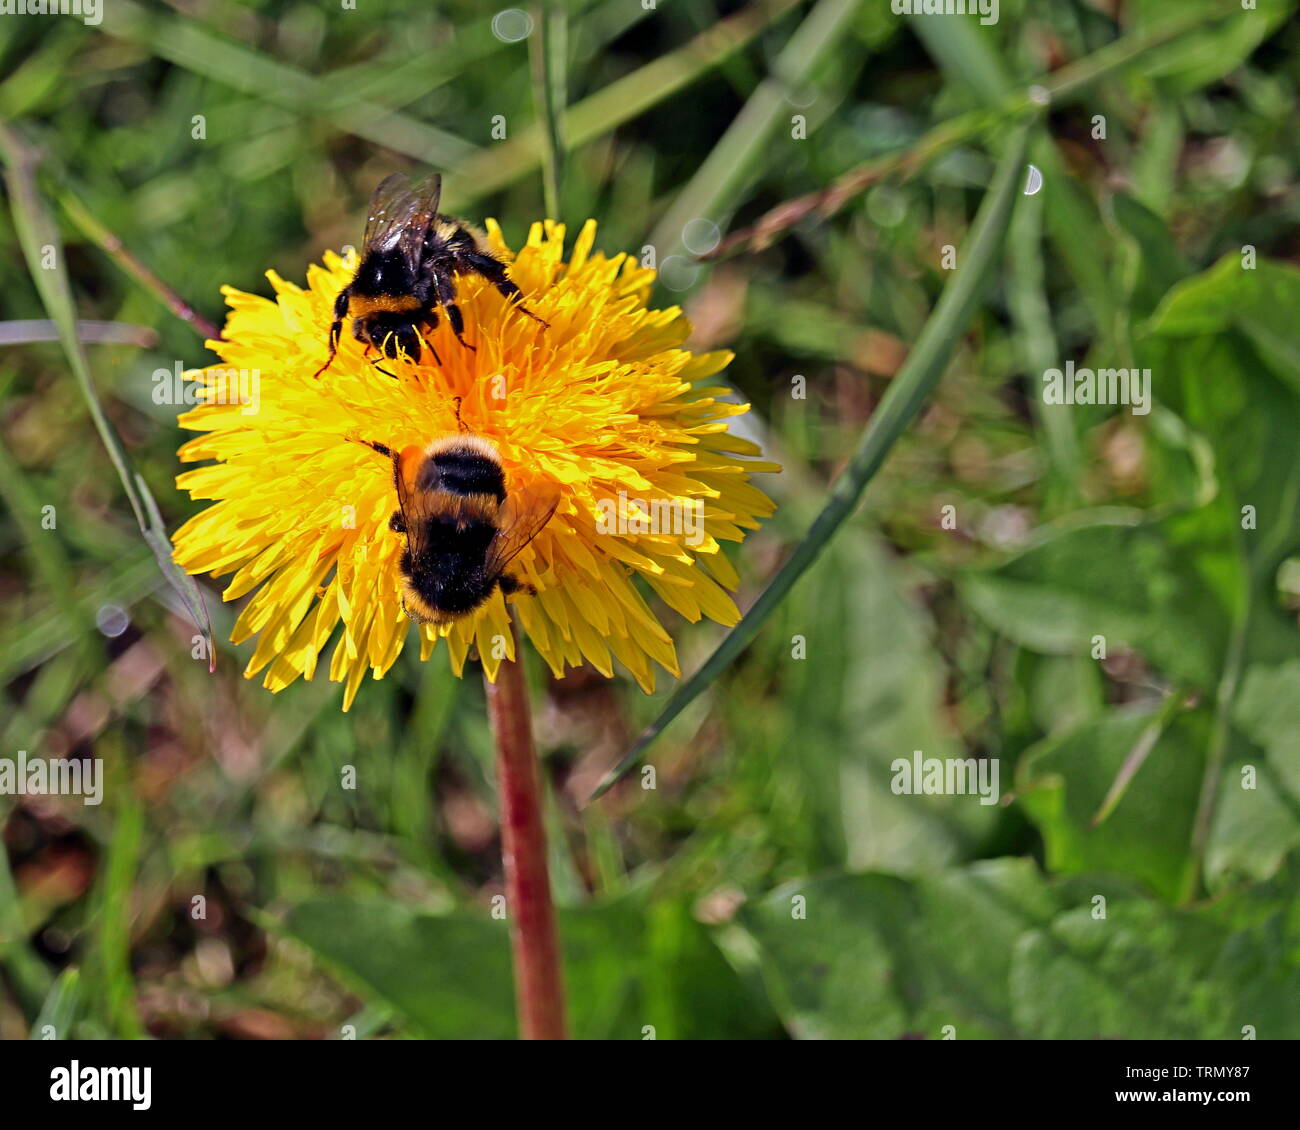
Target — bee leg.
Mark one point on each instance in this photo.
(335, 331)
(397, 523)
(458, 325)
(495, 273)
(447, 298)
(431, 320)
(330, 359)
(511, 585)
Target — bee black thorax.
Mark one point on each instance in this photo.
(384, 282)
(460, 468)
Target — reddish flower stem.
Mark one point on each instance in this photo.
(534, 942)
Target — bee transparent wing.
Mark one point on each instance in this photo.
(413, 502)
(425, 198)
(389, 206)
(523, 516)
(401, 215)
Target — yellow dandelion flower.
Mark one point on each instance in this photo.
(604, 405)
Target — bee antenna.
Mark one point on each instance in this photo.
(459, 422)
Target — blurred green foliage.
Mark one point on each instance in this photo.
(772, 883)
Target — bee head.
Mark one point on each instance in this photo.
(392, 338)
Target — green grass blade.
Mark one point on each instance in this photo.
(28, 974)
(716, 183)
(25, 331)
(113, 247)
(548, 53)
(1031, 315)
(1062, 87)
(39, 637)
(192, 47)
(621, 101)
(1137, 756)
(965, 53)
(47, 551)
(908, 391)
(1065, 213)
(398, 77)
(38, 236)
(59, 1009)
(116, 989)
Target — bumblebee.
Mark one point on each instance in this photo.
(461, 527)
(410, 257)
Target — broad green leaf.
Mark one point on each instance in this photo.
(877, 957)
(449, 976)
(1065, 692)
(1258, 817)
(1221, 388)
(845, 970)
(626, 966)
(1228, 35)
(1268, 711)
(1119, 578)
(1262, 301)
(993, 949)
(1223, 339)
(1064, 781)
(690, 991)
(1156, 263)
(856, 652)
(1147, 972)
(1180, 463)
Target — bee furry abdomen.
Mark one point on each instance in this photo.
(462, 527)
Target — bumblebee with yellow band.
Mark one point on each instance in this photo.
(410, 257)
(461, 527)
